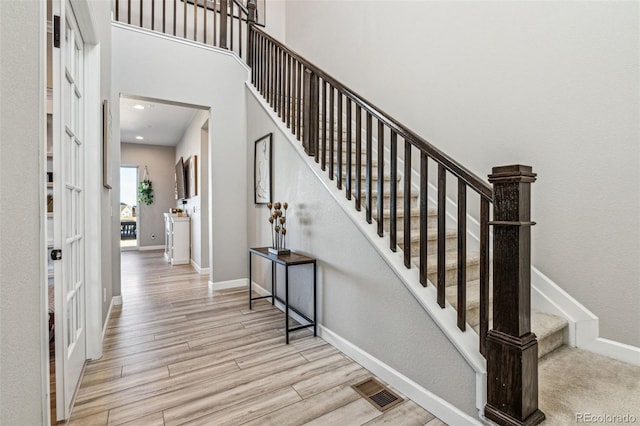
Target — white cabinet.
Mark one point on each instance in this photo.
(177, 246)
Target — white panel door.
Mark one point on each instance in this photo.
(69, 208)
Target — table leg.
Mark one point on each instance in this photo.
(249, 280)
(286, 303)
(273, 282)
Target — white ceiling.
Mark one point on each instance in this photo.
(158, 123)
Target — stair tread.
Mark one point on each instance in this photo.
(451, 260)
(432, 234)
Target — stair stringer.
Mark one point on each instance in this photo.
(466, 343)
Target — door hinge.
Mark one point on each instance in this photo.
(56, 31)
(56, 254)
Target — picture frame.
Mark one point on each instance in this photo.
(192, 188)
(107, 177)
(262, 182)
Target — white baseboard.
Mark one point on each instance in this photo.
(421, 396)
(223, 285)
(198, 269)
(115, 301)
(150, 248)
(584, 326)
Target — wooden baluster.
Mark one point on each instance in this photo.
(424, 214)
(281, 86)
(153, 15)
(276, 72)
(215, 23)
(224, 13)
(289, 94)
(484, 273)
(339, 153)
(380, 198)
(320, 114)
(272, 76)
(310, 112)
(164, 16)
(368, 180)
(240, 32)
(358, 171)
(512, 349)
(407, 204)
(349, 150)
(294, 99)
(117, 10)
(462, 255)
(184, 19)
(331, 130)
(129, 12)
(195, 19)
(299, 101)
(393, 192)
(141, 11)
(257, 41)
(231, 20)
(442, 212)
(175, 15)
(276, 104)
(204, 28)
(323, 160)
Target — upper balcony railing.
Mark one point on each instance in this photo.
(220, 23)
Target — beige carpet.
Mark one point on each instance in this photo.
(577, 387)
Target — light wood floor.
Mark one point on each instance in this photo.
(178, 353)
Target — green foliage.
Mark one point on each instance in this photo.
(145, 192)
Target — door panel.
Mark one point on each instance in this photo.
(69, 209)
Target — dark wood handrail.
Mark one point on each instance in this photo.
(452, 166)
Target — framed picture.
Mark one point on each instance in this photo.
(262, 170)
(107, 177)
(192, 189)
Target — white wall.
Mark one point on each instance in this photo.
(160, 161)
(275, 23)
(145, 64)
(110, 241)
(189, 145)
(22, 139)
(359, 296)
(551, 84)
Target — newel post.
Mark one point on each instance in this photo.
(251, 19)
(310, 116)
(511, 348)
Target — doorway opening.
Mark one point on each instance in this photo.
(129, 211)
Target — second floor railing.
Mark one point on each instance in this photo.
(220, 23)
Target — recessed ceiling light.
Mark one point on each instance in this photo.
(138, 106)
(139, 138)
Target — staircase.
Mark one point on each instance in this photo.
(549, 329)
(357, 145)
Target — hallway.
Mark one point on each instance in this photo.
(176, 352)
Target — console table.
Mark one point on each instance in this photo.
(286, 260)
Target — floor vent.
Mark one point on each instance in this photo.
(377, 394)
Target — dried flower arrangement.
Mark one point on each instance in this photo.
(278, 221)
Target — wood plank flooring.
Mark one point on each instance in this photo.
(178, 353)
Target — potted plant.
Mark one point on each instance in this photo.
(145, 189)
